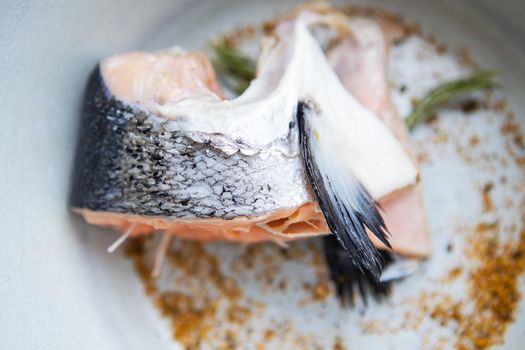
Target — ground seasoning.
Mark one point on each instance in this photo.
(338, 344)
(195, 312)
(488, 204)
(191, 321)
(199, 316)
(480, 320)
(493, 289)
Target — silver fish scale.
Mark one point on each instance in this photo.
(129, 161)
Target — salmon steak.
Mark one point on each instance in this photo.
(313, 147)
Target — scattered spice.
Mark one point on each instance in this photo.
(480, 319)
(465, 58)
(455, 273)
(194, 312)
(488, 204)
(394, 22)
(240, 34)
(440, 137)
(338, 344)
(500, 105)
(510, 126)
(470, 106)
(137, 249)
(494, 289)
(322, 291)
(447, 311)
(190, 321)
(474, 140)
(422, 157)
(238, 314)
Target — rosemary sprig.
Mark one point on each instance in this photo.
(235, 67)
(447, 91)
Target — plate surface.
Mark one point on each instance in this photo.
(59, 289)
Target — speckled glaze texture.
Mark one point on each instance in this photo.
(130, 161)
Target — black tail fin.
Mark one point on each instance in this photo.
(348, 278)
(347, 206)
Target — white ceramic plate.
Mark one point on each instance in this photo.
(59, 289)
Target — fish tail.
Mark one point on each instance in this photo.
(349, 279)
(347, 206)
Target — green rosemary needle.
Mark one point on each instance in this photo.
(235, 67)
(447, 91)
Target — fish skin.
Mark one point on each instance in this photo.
(209, 124)
(172, 165)
(131, 161)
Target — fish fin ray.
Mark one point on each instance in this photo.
(347, 206)
(348, 279)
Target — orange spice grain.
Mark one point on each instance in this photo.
(322, 290)
(474, 140)
(338, 344)
(194, 314)
(454, 273)
(500, 105)
(493, 288)
(488, 204)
